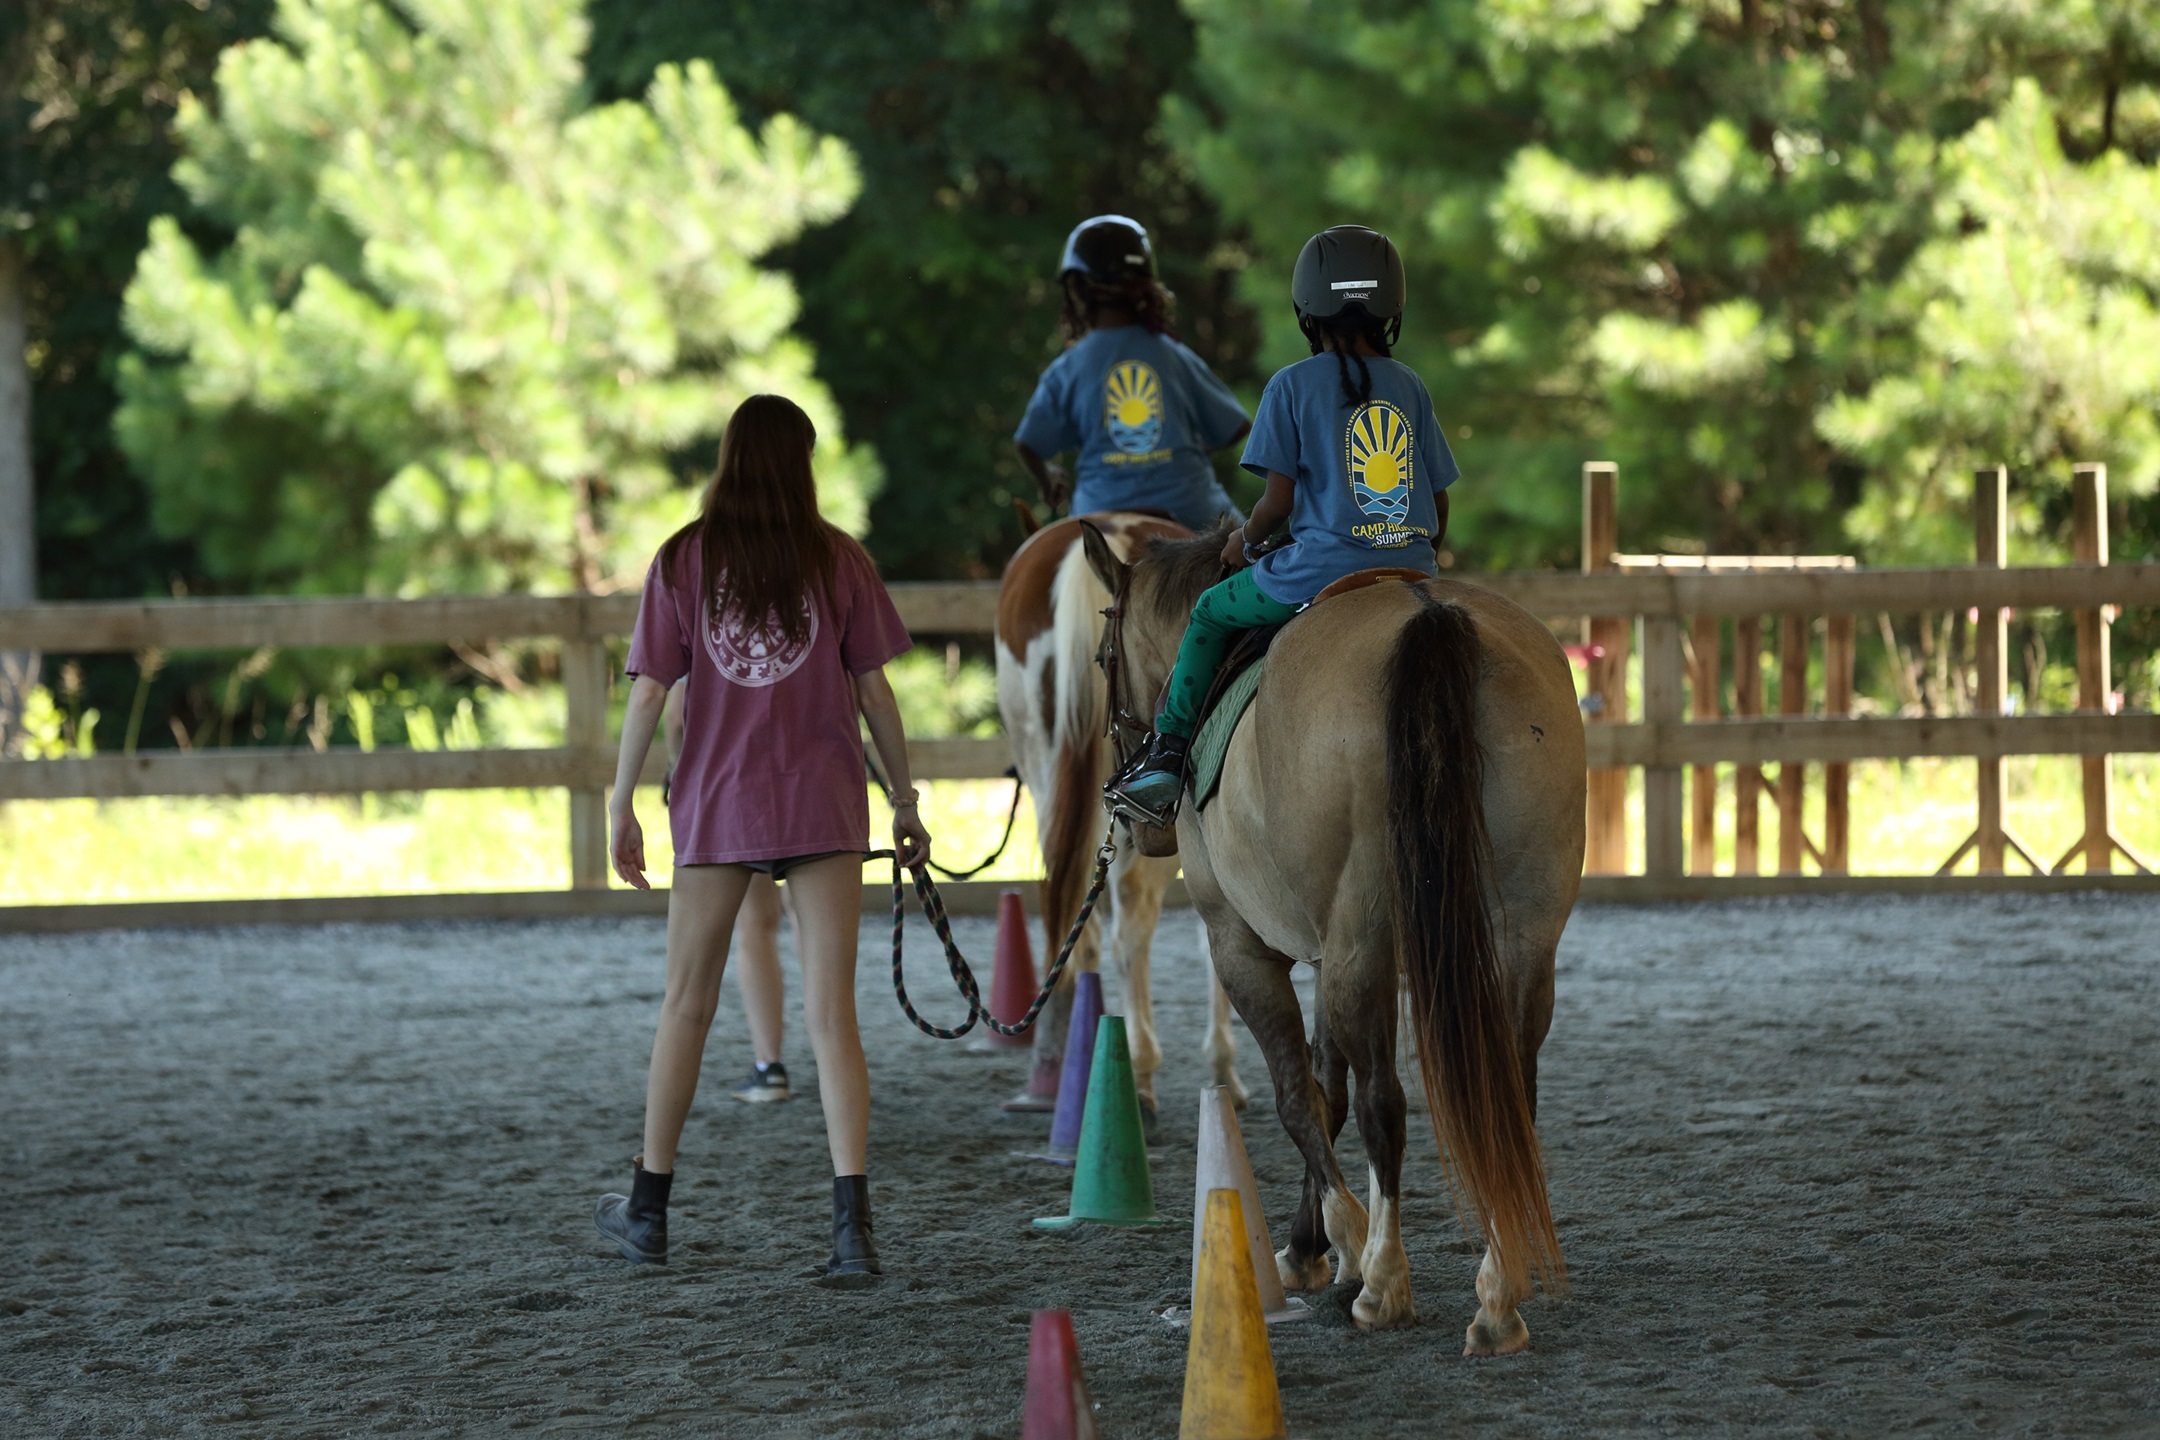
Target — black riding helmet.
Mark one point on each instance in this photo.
(1343, 269)
(1107, 249)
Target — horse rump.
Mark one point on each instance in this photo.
(1469, 1051)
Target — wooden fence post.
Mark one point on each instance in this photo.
(1992, 839)
(1606, 824)
(1991, 647)
(2095, 672)
(1664, 669)
(1703, 686)
(1747, 778)
(585, 677)
(1838, 648)
(1791, 775)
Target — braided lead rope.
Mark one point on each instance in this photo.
(1012, 814)
(933, 907)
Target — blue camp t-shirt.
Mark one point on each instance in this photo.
(1365, 474)
(1142, 411)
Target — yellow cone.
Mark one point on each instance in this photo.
(1230, 1389)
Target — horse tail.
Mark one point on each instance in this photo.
(1079, 708)
(1468, 1049)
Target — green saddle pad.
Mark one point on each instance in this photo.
(1212, 743)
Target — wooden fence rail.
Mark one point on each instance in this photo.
(1675, 603)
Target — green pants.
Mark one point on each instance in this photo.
(1221, 611)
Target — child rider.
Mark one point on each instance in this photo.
(1142, 410)
(1354, 459)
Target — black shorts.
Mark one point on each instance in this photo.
(779, 868)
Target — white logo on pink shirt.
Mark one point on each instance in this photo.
(759, 655)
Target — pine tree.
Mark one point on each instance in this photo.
(1670, 234)
(466, 322)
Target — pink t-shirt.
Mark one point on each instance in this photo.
(772, 757)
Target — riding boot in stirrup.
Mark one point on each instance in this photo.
(1151, 792)
(854, 1263)
(637, 1222)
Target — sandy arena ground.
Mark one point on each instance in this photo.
(1826, 1168)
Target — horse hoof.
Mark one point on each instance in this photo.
(1306, 1275)
(1373, 1312)
(1239, 1099)
(1485, 1338)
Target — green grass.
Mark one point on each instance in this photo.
(67, 851)
(1906, 819)
(1908, 816)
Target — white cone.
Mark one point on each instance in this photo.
(1224, 1165)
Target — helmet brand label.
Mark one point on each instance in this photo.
(1355, 285)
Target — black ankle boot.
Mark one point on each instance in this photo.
(854, 1262)
(637, 1222)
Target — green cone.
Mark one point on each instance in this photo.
(1111, 1184)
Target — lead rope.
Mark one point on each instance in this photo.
(1012, 813)
(933, 907)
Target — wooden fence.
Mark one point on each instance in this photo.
(1657, 606)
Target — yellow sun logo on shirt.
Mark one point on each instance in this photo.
(1133, 407)
(1376, 452)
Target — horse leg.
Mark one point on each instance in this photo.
(1137, 883)
(1357, 997)
(1498, 1327)
(1258, 982)
(1332, 1071)
(1221, 1050)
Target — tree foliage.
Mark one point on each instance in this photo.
(1740, 246)
(986, 129)
(89, 144)
(465, 319)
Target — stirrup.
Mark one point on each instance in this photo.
(1123, 807)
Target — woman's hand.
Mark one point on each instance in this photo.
(629, 846)
(909, 837)
(1233, 550)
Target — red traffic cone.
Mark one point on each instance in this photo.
(1012, 980)
(1058, 1407)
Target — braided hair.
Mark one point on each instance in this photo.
(1144, 295)
(1346, 328)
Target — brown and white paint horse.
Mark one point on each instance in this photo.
(1401, 807)
(1055, 705)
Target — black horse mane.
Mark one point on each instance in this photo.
(1184, 568)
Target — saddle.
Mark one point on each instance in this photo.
(1238, 678)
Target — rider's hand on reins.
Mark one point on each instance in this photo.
(1233, 550)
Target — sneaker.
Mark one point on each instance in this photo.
(1151, 791)
(766, 1084)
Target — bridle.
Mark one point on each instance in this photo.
(1125, 730)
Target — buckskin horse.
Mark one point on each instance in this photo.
(1052, 696)
(1402, 807)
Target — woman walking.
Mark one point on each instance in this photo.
(782, 627)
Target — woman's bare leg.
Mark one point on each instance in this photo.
(828, 911)
(757, 968)
(702, 903)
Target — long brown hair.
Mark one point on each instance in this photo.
(765, 548)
